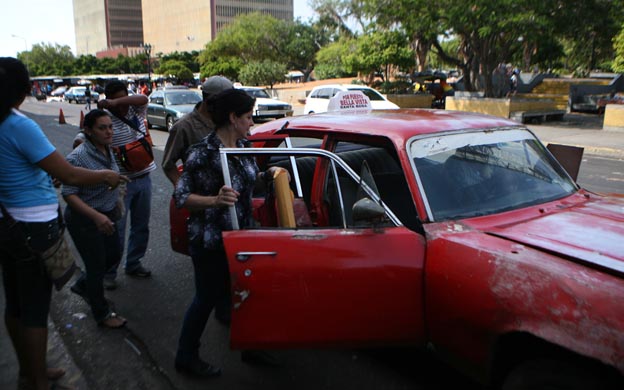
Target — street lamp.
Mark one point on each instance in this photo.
(23, 39)
(148, 50)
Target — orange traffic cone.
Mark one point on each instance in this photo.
(81, 119)
(61, 117)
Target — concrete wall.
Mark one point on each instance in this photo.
(498, 107)
(412, 101)
(614, 117)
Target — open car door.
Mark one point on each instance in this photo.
(326, 286)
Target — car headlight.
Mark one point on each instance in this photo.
(263, 108)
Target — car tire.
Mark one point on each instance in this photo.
(169, 122)
(549, 374)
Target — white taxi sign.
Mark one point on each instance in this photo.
(349, 101)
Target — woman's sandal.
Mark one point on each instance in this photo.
(113, 321)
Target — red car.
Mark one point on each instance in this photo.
(455, 231)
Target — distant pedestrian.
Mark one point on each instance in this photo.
(143, 89)
(513, 82)
(88, 98)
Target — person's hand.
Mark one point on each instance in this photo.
(113, 179)
(227, 197)
(56, 182)
(103, 224)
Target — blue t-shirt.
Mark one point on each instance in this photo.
(22, 145)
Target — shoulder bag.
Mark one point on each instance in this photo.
(137, 155)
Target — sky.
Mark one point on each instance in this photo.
(28, 22)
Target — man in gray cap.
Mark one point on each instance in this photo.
(192, 127)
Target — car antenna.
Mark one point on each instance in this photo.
(284, 125)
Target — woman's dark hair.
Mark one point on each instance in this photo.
(14, 84)
(114, 86)
(228, 101)
(92, 117)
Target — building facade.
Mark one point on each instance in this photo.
(102, 25)
(111, 27)
(187, 25)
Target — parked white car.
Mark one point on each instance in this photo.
(266, 106)
(318, 99)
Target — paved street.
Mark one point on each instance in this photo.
(141, 356)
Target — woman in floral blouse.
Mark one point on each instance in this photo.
(201, 189)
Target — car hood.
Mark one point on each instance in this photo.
(184, 108)
(591, 233)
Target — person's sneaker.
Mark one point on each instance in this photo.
(139, 272)
(109, 284)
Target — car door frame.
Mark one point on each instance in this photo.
(318, 287)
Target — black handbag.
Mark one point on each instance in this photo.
(58, 260)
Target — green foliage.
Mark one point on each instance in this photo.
(224, 66)
(189, 59)
(618, 47)
(47, 59)
(263, 73)
(175, 69)
(329, 60)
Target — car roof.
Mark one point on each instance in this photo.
(399, 125)
(342, 86)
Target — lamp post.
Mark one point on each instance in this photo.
(23, 39)
(148, 51)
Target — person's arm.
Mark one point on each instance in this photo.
(101, 221)
(172, 173)
(132, 100)
(227, 197)
(56, 165)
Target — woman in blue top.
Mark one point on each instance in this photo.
(27, 160)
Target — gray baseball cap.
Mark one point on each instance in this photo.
(215, 84)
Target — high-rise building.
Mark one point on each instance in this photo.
(188, 25)
(103, 25)
(122, 26)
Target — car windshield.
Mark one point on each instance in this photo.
(372, 94)
(486, 172)
(178, 98)
(258, 93)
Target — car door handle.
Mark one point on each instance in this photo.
(244, 256)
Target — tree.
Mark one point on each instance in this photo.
(376, 52)
(45, 59)
(263, 73)
(175, 69)
(329, 60)
(618, 47)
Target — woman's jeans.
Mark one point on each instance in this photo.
(138, 204)
(211, 278)
(99, 253)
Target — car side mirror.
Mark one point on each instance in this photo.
(367, 212)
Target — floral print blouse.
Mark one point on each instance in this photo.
(203, 176)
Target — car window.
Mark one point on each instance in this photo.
(481, 173)
(372, 94)
(387, 176)
(325, 93)
(258, 93)
(179, 98)
(156, 98)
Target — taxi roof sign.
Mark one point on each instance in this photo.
(349, 101)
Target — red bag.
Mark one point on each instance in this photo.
(137, 155)
(178, 220)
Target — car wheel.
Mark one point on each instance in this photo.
(310, 112)
(169, 122)
(547, 374)
(148, 124)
